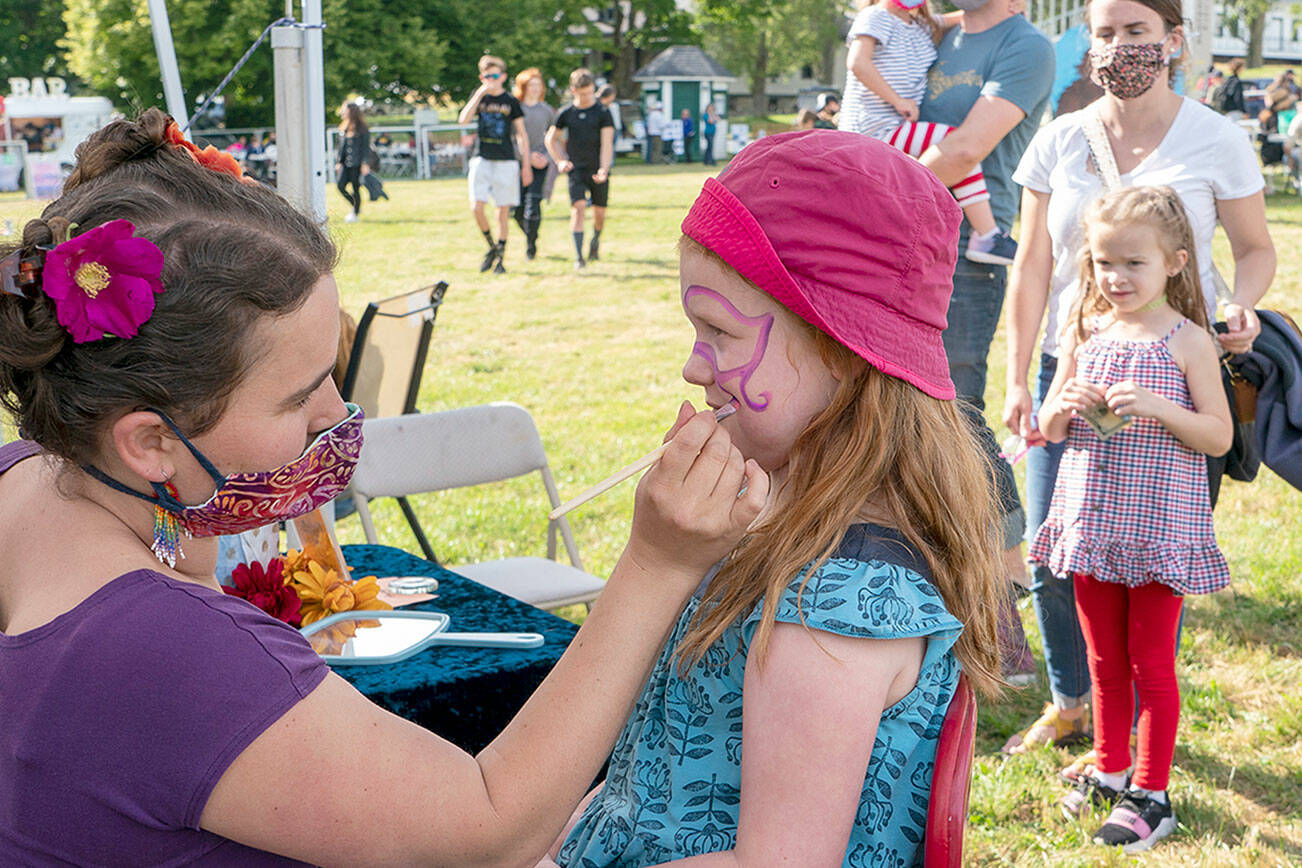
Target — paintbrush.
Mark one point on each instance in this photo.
(631, 470)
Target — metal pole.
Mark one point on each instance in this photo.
(1199, 41)
(166, 52)
(314, 93)
(292, 164)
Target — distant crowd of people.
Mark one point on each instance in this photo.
(659, 144)
(1278, 122)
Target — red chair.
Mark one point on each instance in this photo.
(950, 781)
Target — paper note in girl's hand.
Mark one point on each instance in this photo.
(1104, 422)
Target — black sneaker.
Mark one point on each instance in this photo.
(592, 252)
(499, 268)
(1088, 790)
(493, 255)
(530, 250)
(1136, 823)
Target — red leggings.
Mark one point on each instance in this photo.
(1130, 635)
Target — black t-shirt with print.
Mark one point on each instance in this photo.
(584, 126)
(497, 114)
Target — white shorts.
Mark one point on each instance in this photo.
(498, 180)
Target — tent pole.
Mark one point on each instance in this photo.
(172, 91)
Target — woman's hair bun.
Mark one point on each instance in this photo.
(30, 334)
(119, 143)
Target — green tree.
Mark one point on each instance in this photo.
(30, 46)
(762, 39)
(626, 27)
(369, 50)
(523, 33)
(1249, 15)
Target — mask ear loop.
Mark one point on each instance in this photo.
(199, 456)
(166, 500)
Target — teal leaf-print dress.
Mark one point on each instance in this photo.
(674, 783)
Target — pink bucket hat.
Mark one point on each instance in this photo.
(849, 234)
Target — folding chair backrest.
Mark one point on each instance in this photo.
(405, 455)
(426, 452)
(950, 781)
(388, 356)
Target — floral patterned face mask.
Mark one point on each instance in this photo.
(1126, 71)
(245, 501)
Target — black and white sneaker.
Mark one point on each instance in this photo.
(1088, 790)
(493, 255)
(998, 249)
(1136, 823)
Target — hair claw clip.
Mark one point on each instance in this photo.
(20, 273)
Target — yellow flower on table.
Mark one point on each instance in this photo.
(323, 591)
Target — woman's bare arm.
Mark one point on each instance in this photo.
(338, 780)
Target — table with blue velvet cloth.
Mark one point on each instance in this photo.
(466, 695)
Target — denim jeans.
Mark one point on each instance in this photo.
(1012, 516)
(1054, 598)
(973, 314)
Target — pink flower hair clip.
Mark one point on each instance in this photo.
(102, 282)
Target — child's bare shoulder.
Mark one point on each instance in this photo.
(1191, 342)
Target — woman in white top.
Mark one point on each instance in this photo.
(1157, 137)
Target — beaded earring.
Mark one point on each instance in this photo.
(167, 533)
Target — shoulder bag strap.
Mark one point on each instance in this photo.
(1101, 149)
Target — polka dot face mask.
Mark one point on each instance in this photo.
(1126, 71)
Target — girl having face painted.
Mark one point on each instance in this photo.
(795, 708)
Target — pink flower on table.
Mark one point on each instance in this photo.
(103, 281)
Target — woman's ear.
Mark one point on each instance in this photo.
(1176, 37)
(145, 445)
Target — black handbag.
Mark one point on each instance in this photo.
(374, 186)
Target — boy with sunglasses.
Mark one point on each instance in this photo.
(495, 169)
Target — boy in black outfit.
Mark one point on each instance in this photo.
(586, 154)
(495, 170)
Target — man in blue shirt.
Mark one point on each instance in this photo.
(991, 82)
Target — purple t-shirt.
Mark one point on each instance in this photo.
(117, 719)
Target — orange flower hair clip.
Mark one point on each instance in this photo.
(209, 157)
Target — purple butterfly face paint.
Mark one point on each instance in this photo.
(742, 373)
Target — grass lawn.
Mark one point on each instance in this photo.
(596, 355)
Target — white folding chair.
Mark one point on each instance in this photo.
(424, 452)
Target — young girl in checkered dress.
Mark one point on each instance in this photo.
(1138, 397)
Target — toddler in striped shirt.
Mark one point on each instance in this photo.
(892, 44)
